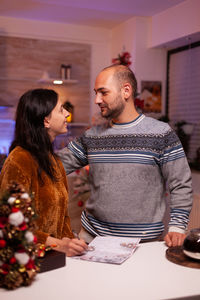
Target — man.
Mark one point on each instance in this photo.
(131, 159)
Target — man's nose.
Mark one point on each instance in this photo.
(98, 99)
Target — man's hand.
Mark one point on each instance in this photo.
(173, 239)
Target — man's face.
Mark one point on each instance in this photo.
(108, 95)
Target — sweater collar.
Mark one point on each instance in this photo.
(129, 124)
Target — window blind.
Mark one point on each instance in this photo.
(184, 93)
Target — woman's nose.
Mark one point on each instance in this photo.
(66, 113)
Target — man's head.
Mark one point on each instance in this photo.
(115, 86)
(124, 74)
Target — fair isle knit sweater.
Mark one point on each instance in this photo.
(130, 166)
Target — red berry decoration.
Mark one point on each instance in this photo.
(13, 260)
(80, 203)
(2, 243)
(15, 209)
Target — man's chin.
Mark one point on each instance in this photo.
(103, 113)
(107, 117)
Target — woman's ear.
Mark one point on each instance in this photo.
(127, 90)
(46, 122)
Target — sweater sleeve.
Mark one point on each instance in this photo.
(13, 172)
(74, 156)
(176, 171)
(67, 231)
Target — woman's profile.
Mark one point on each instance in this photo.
(40, 117)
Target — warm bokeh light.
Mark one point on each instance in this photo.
(69, 118)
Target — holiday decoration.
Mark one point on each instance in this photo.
(139, 104)
(18, 251)
(122, 59)
(50, 259)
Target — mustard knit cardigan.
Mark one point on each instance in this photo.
(50, 199)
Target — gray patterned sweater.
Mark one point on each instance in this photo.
(131, 165)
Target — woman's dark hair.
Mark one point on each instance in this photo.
(30, 132)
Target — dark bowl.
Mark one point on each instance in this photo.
(191, 244)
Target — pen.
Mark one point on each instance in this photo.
(76, 234)
(90, 248)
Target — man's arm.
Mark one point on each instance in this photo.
(177, 174)
(74, 156)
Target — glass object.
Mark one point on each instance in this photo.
(65, 71)
(191, 245)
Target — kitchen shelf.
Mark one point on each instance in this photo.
(65, 81)
(17, 79)
(49, 80)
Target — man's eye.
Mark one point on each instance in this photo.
(104, 93)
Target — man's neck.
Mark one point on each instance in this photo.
(126, 118)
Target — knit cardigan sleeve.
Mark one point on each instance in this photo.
(67, 231)
(13, 171)
(19, 168)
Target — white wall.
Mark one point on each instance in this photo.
(145, 39)
(176, 22)
(147, 63)
(123, 36)
(150, 63)
(98, 38)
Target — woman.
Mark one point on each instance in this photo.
(40, 117)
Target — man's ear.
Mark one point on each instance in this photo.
(127, 90)
(46, 122)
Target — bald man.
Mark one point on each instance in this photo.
(131, 158)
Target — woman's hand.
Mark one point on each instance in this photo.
(70, 247)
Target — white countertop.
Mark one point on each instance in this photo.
(146, 275)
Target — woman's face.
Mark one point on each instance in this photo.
(56, 121)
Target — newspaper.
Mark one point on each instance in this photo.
(113, 250)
